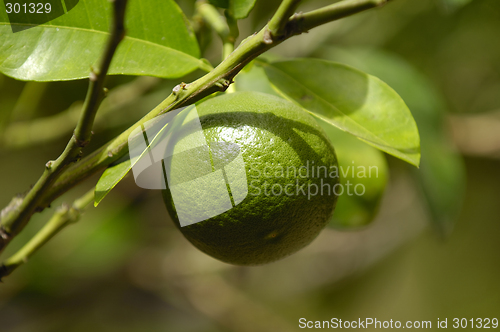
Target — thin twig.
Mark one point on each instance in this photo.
(16, 218)
(63, 217)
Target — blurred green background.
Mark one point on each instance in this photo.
(125, 267)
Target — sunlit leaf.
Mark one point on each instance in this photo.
(159, 42)
(351, 100)
(242, 8)
(109, 179)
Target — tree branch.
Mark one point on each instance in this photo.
(278, 22)
(64, 216)
(15, 218)
(184, 94)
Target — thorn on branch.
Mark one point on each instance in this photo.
(224, 83)
(92, 75)
(81, 143)
(179, 87)
(268, 38)
(64, 208)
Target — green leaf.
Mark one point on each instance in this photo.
(253, 78)
(351, 100)
(441, 176)
(159, 42)
(363, 175)
(109, 179)
(241, 8)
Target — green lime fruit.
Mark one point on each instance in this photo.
(291, 177)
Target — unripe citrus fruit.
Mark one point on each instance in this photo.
(291, 173)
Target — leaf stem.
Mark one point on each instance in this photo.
(13, 219)
(63, 217)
